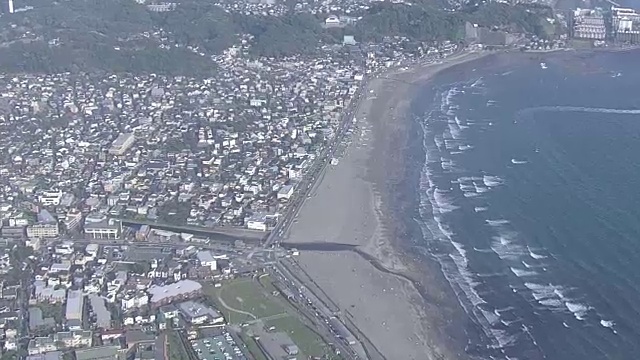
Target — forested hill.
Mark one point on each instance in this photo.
(121, 35)
(428, 23)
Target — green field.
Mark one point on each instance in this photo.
(310, 343)
(249, 300)
(244, 300)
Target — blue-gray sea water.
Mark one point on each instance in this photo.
(529, 199)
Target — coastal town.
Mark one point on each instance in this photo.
(142, 215)
(116, 191)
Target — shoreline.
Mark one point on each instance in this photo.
(354, 200)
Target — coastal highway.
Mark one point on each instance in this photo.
(309, 181)
(317, 312)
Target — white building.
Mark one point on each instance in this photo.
(43, 231)
(205, 258)
(41, 345)
(183, 289)
(73, 220)
(92, 249)
(10, 344)
(73, 339)
(121, 144)
(285, 192)
(66, 248)
(136, 300)
(50, 198)
(197, 314)
(99, 227)
(260, 221)
(332, 20)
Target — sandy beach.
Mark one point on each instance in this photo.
(400, 304)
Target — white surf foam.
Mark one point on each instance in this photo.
(534, 255)
(447, 164)
(579, 310)
(608, 324)
(467, 188)
(497, 222)
(585, 109)
(442, 201)
(551, 303)
(449, 143)
(522, 272)
(455, 131)
(544, 292)
(492, 181)
(439, 141)
(506, 248)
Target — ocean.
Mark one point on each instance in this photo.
(529, 199)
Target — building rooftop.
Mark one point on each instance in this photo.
(98, 353)
(103, 316)
(75, 303)
(160, 293)
(192, 309)
(52, 355)
(205, 256)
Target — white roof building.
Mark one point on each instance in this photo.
(182, 289)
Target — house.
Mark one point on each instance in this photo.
(169, 311)
(285, 192)
(205, 258)
(133, 300)
(60, 340)
(73, 339)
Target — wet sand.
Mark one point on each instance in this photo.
(398, 302)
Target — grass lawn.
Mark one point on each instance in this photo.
(244, 296)
(255, 296)
(266, 282)
(310, 343)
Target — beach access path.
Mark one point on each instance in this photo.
(346, 207)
